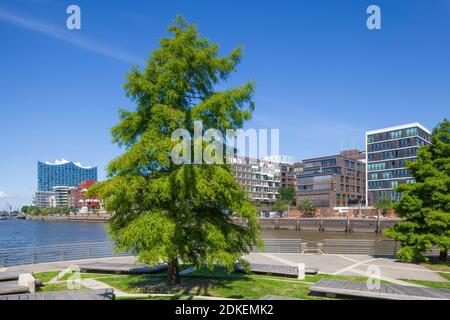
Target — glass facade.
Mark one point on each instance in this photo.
(67, 174)
(331, 181)
(388, 151)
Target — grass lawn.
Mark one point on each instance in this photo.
(86, 276)
(46, 276)
(433, 284)
(58, 286)
(174, 297)
(244, 287)
(219, 284)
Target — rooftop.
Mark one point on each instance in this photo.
(403, 126)
(64, 161)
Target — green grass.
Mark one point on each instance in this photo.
(58, 286)
(434, 284)
(245, 287)
(217, 283)
(86, 276)
(174, 297)
(46, 276)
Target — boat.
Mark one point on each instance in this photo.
(21, 217)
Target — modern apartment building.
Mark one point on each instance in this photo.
(262, 179)
(388, 150)
(287, 164)
(64, 196)
(63, 173)
(332, 181)
(43, 199)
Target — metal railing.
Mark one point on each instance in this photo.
(54, 253)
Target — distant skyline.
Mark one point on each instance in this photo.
(322, 77)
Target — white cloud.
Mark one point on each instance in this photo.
(3, 194)
(68, 36)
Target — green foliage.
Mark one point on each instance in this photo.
(162, 211)
(25, 209)
(33, 210)
(425, 205)
(384, 205)
(285, 199)
(288, 194)
(307, 207)
(279, 206)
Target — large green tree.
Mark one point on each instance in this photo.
(425, 205)
(167, 212)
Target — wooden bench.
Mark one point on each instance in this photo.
(276, 269)
(11, 287)
(104, 294)
(10, 275)
(331, 288)
(120, 268)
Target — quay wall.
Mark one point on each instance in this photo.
(325, 224)
(303, 224)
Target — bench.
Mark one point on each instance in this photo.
(103, 294)
(331, 288)
(120, 268)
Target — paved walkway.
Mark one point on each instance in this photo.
(351, 265)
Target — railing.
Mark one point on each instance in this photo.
(33, 255)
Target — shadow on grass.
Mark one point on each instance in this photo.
(201, 283)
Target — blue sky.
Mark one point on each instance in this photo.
(322, 77)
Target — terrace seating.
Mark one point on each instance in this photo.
(120, 268)
(103, 294)
(276, 269)
(331, 288)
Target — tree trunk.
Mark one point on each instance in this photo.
(173, 273)
(443, 256)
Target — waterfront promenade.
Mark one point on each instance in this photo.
(334, 264)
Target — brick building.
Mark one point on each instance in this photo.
(332, 181)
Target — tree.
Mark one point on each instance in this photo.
(286, 198)
(279, 206)
(288, 194)
(25, 209)
(425, 204)
(167, 212)
(384, 205)
(307, 207)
